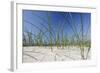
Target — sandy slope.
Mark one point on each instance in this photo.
(42, 54)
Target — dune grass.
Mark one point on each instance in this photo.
(58, 38)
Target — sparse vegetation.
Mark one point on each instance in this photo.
(48, 35)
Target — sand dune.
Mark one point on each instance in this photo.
(43, 54)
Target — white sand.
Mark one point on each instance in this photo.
(42, 54)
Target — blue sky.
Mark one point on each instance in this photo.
(37, 21)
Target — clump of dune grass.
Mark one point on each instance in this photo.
(58, 38)
(79, 36)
